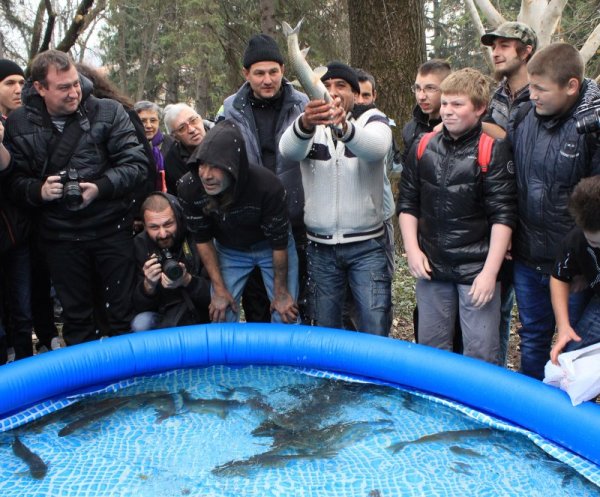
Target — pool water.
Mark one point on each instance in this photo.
(271, 431)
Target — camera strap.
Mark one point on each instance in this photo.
(64, 146)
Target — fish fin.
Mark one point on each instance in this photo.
(320, 71)
(305, 51)
(222, 413)
(397, 447)
(296, 83)
(287, 29)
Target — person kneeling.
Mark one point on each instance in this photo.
(173, 289)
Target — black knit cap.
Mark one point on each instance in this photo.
(340, 70)
(261, 48)
(9, 68)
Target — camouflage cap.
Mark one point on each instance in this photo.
(513, 31)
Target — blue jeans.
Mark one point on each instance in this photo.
(236, 266)
(588, 326)
(532, 289)
(361, 265)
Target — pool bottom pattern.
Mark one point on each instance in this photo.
(387, 442)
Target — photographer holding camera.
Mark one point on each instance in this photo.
(172, 289)
(76, 162)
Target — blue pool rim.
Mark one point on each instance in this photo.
(507, 395)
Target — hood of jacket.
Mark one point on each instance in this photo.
(223, 147)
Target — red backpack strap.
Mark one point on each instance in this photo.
(423, 143)
(484, 156)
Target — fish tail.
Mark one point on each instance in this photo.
(287, 29)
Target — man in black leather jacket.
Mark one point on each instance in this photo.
(84, 219)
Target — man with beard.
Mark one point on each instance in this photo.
(513, 44)
(263, 107)
(172, 289)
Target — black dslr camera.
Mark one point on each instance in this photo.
(587, 119)
(71, 191)
(169, 265)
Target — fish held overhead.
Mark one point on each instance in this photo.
(309, 79)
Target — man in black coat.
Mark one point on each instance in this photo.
(238, 217)
(77, 160)
(172, 289)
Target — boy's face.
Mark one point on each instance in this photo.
(549, 98)
(458, 114)
(427, 93)
(593, 238)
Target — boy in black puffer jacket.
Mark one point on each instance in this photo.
(457, 211)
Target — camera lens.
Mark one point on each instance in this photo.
(173, 270)
(72, 195)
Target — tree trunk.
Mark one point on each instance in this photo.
(267, 18)
(389, 42)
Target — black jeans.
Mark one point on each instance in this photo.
(72, 266)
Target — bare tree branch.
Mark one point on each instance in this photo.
(76, 27)
(480, 30)
(591, 45)
(49, 28)
(549, 21)
(9, 13)
(490, 13)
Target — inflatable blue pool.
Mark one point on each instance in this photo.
(503, 394)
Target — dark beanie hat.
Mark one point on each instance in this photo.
(261, 48)
(9, 68)
(340, 70)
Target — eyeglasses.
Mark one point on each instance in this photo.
(427, 89)
(192, 121)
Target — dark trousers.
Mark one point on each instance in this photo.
(72, 266)
(41, 300)
(16, 266)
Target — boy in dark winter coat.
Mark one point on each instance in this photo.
(551, 157)
(457, 212)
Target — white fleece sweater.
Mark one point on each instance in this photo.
(343, 182)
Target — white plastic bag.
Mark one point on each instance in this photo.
(578, 373)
